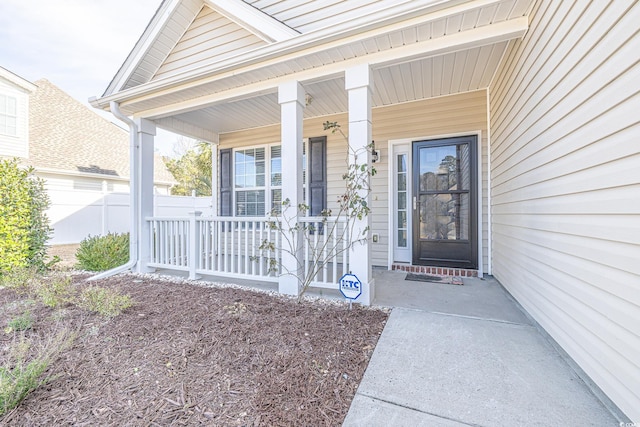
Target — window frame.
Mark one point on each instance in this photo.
(5, 115)
(267, 188)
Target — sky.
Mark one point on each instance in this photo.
(78, 45)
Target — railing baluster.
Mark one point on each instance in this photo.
(345, 252)
(225, 248)
(246, 247)
(186, 237)
(163, 241)
(254, 226)
(307, 243)
(335, 255)
(171, 245)
(260, 257)
(219, 245)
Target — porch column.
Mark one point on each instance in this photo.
(291, 99)
(214, 177)
(358, 83)
(146, 134)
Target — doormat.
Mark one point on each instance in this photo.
(445, 280)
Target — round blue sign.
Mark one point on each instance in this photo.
(350, 286)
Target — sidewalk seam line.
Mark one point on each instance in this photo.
(467, 317)
(418, 410)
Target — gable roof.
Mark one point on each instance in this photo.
(175, 29)
(65, 135)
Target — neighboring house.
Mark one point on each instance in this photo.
(506, 132)
(74, 148)
(82, 157)
(14, 114)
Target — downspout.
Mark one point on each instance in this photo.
(133, 194)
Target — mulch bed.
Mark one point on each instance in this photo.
(195, 355)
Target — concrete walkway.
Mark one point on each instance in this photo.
(466, 355)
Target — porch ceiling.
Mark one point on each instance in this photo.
(448, 74)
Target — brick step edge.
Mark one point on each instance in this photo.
(440, 271)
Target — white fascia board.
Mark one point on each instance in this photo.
(455, 42)
(142, 46)
(254, 20)
(17, 80)
(393, 19)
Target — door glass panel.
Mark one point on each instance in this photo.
(401, 197)
(402, 182)
(402, 163)
(465, 170)
(440, 168)
(444, 217)
(402, 238)
(402, 219)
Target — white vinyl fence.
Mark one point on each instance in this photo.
(76, 214)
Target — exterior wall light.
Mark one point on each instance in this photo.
(375, 154)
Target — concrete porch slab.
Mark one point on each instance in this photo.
(485, 299)
(442, 369)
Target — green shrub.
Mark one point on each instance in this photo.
(20, 323)
(24, 226)
(100, 253)
(104, 301)
(54, 291)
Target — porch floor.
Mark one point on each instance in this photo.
(462, 355)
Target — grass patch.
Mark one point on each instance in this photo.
(20, 323)
(23, 370)
(19, 279)
(104, 301)
(54, 292)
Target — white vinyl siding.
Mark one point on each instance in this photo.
(565, 186)
(461, 113)
(14, 121)
(211, 37)
(172, 30)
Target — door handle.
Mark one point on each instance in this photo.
(415, 203)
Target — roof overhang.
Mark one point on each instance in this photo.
(303, 58)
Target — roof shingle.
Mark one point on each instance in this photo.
(66, 135)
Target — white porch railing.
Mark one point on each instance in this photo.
(230, 247)
(328, 243)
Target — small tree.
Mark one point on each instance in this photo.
(192, 170)
(24, 226)
(339, 228)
